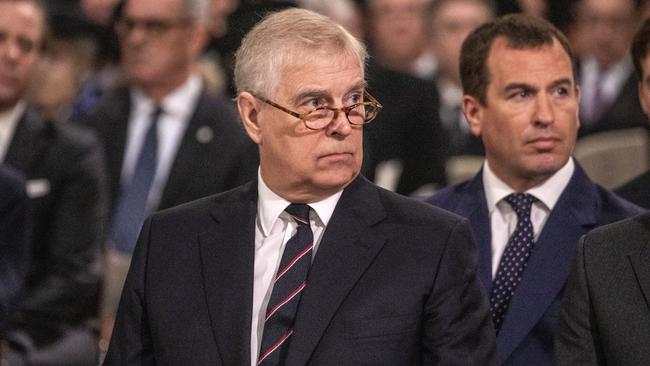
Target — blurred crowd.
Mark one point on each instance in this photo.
(77, 116)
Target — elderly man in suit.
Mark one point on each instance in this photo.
(605, 315)
(55, 316)
(310, 264)
(531, 201)
(167, 139)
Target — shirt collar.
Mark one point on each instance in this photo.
(270, 206)
(547, 193)
(179, 104)
(8, 121)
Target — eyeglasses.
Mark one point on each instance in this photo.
(357, 114)
(125, 26)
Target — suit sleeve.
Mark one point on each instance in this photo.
(131, 342)
(576, 339)
(458, 329)
(14, 244)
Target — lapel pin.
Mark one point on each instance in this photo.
(204, 134)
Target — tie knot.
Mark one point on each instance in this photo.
(521, 203)
(299, 212)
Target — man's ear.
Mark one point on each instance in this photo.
(473, 110)
(249, 113)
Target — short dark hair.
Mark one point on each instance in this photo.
(520, 31)
(640, 45)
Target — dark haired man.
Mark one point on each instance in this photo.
(531, 201)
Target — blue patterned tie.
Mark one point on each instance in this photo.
(514, 259)
(131, 207)
(288, 285)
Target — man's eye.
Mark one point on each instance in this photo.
(562, 91)
(354, 99)
(522, 94)
(314, 103)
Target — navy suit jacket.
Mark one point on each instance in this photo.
(526, 336)
(393, 283)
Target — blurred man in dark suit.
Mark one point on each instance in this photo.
(638, 189)
(531, 201)
(310, 263)
(609, 85)
(53, 323)
(167, 139)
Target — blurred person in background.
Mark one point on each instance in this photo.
(638, 189)
(404, 152)
(451, 22)
(167, 139)
(396, 32)
(609, 85)
(55, 318)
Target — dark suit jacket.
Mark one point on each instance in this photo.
(624, 112)
(14, 240)
(605, 316)
(637, 190)
(408, 129)
(393, 283)
(65, 181)
(229, 158)
(526, 336)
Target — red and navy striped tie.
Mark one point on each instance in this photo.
(288, 285)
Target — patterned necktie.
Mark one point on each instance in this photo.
(288, 285)
(131, 207)
(514, 259)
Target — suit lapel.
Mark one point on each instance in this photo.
(474, 207)
(549, 265)
(113, 126)
(227, 258)
(186, 160)
(641, 265)
(347, 248)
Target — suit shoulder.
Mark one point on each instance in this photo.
(447, 197)
(201, 207)
(415, 211)
(618, 237)
(613, 207)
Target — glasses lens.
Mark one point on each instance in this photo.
(357, 115)
(371, 111)
(319, 118)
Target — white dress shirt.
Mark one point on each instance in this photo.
(178, 108)
(8, 122)
(503, 219)
(273, 228)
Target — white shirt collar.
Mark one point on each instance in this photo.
(174, 104)
(547, 193)
(8, 121)
(270, 206)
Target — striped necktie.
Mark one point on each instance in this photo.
(288, 285)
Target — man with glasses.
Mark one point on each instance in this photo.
(310, 263)
(167, 139)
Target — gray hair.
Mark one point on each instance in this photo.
(272, 44)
